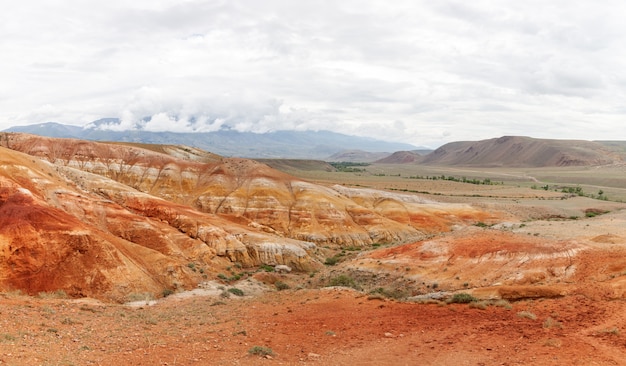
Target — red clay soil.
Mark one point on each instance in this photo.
(317, 327)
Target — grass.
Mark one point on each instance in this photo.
(142, 296)
(235, 291)
(58, 294)
(261, 351)
(482, 305)
(527, 315)
(551, 323)
(462, 298)
(613, 331)
(503, 304)
(266, 268)
(344, 281)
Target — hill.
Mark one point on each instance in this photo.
(277, 144)
(107, 220)
(356, 156)
(517, 151)
(401, 157)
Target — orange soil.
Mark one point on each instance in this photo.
(324, 327)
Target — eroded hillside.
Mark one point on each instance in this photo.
(106, 220)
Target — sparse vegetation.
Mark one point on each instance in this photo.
(527, 314)
(167, 292)
(485, 181)
(482, 305)
(331, 261)
(613, 331)
(235, 291)
(381, 292)
(344, 281)
(261, 351)
(280, 286)
(349, 167)
(503, 304)
(462, 298)
(143, 296)
(266, 268)
(58, 294)
(551, 323)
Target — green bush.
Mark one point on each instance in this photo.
(331, 261)
(267, 268)
(281, 286)
(235, 291)
(462, 298)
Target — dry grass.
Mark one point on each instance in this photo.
(527, 314)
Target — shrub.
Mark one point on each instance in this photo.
(222, 276)
(381, 292)
(167, 292)
(375, 296)
(482, 305)
(281, 285)
(551, 323)
(260, 351)
(235, 291)
(331, 261)
(267, 268)
(58, 294)
(143, 296)
(462, 298)
(503, 304)
(344, 281)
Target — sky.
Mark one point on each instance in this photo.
(422, 72)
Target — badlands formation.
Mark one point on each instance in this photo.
(108, 220)
(543, 271)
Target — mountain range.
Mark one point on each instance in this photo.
(277, 144)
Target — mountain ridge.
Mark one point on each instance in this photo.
(522, 151)
(277, 144)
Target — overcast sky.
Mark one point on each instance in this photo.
(423, 72)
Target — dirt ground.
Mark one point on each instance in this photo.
(330, 326)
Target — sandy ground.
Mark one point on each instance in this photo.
(318, 327)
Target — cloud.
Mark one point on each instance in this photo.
(421, 72)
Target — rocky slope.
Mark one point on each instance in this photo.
(401, 157)
(107, 220)
(523, 152)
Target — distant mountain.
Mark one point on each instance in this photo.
(50, 129)
(278, 144)
(357, 156)
(401, 157)
(518, 151)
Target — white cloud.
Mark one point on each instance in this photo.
(422, 72)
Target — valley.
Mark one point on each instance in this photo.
(159, 254)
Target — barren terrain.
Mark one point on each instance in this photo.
(166, 255)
